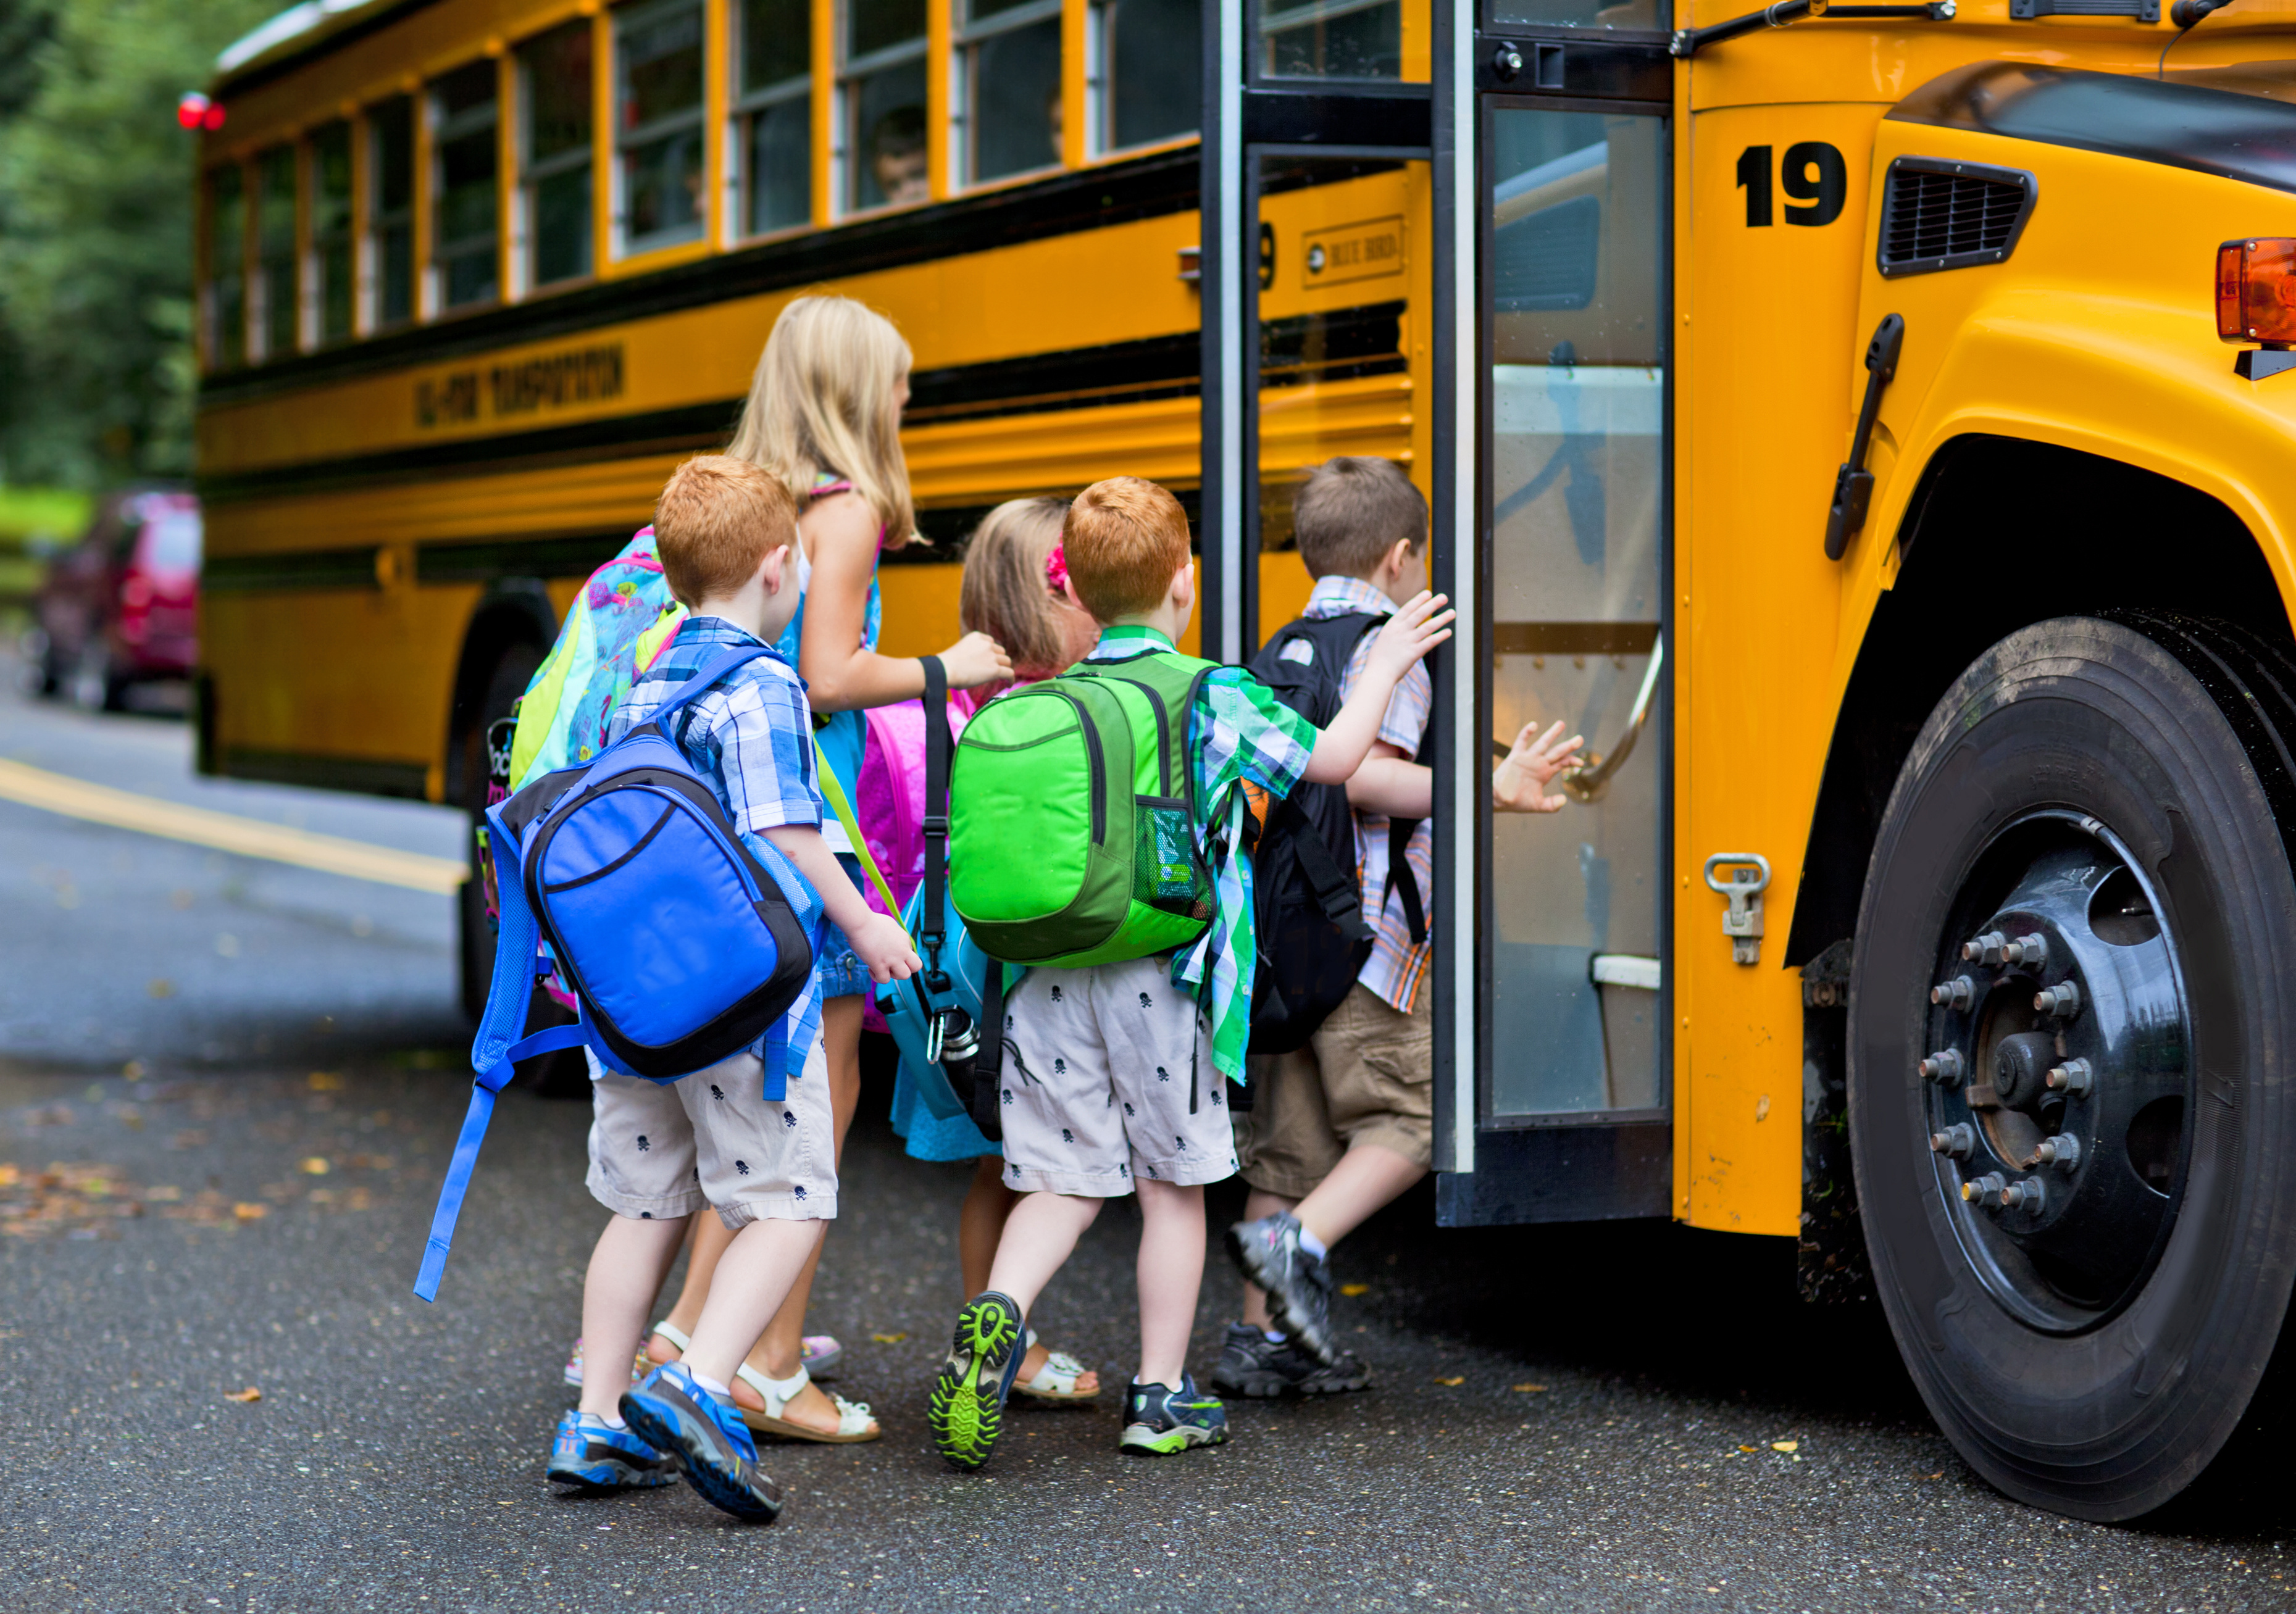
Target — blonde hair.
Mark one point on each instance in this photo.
(1127, 538)
(1005, 593)
(716, 519)
(822, 399)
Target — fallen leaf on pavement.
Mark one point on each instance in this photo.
(325, 1081)
(314, 1166)
(1750, 1448)
(9, 1176)
(1461, 1378)
(248, 1395)
(889, 1339)
(134, 1071)
(246, 1212)
(1530, 1389)
(1352, 1289)
(160, 986)
(1785, 1445)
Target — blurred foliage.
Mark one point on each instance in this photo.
(96, 375)
(42, 518)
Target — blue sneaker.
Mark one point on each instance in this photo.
(594, 1455)
(706, 1439)
(966, 1413)
(1162, 1419)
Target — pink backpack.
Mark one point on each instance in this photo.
(892, 805)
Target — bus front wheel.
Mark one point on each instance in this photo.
(2068, 1024)
(513, 670)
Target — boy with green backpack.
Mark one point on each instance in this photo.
(1095, 838)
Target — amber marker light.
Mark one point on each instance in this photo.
(2256, 303)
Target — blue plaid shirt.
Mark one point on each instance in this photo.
(750, 735)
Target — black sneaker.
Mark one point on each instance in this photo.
(1162, 1419)
(1299, 1285)
(1250, 1366)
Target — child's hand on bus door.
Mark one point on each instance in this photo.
(975, 659)
(1518, 783)
(1419, 626)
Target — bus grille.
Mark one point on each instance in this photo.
(1942, 215)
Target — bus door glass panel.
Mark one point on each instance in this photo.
(1573, 283)
(1337, 39)
(1336, 269)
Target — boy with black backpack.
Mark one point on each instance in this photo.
(1341, 1082)
(1096, 823)
(756, 1145)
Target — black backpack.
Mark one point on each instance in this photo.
(1312, 940)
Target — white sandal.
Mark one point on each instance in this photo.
(854, 1423)
(640, 1366)
(821, 1353)
(1056, 1380)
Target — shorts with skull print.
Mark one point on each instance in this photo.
(1108, 1075)
(660, 1150)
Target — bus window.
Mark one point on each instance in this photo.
(774, 107)
(882, 89)
(1008, 54)
(228, 267)
(463, 250)
(658, 123)
(390, 212)
(1330, 39)
(554, 83)
(330, 230)
(1577, 468)
(1151, 71)
(280, 315)
(1501, 14)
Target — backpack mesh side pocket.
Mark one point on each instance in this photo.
(1166, 873)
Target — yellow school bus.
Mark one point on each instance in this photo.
(1870, 423)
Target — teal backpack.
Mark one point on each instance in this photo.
(1073, 817)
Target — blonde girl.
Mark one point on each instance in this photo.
(825, 415)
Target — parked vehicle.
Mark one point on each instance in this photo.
(120, 606)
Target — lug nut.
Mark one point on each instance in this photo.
(1957, 1141)
(2063, 1152)
(2062, 1000)
(1985, 1190)
(1985, 949)
(2073, 1078)
(2028, 1194)
(2027, 952)
(1945, 1067)
(1958, 993)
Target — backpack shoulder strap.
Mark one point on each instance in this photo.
(724, 662)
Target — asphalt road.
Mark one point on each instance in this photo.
(227, 1090)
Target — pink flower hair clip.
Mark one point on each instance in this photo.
(1056, 570)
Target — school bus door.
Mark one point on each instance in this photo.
(1562, 281)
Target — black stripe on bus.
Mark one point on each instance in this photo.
(1146, 187)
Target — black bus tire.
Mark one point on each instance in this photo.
(513, 670)
(2171, 731)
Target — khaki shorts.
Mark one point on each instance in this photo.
(1367, 1077)
(660, 1151)
(1100, 1065)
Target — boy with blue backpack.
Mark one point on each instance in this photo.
(1096, 835)
(742, 1136)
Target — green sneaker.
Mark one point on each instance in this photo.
(1162, 1419)
(966, 1413)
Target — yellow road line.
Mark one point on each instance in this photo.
(227, 831)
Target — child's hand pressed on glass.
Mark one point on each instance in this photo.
(1519, 782)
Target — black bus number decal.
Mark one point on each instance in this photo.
(1813, 173)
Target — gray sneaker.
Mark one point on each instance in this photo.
(1299, 1285)
(1255, 1370)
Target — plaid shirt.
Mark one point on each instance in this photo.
(1238, 731)
(750, 735)
(1396, 968)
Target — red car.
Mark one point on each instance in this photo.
(120, 607)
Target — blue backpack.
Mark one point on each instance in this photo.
(682, 948)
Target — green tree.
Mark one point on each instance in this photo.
(95, 232)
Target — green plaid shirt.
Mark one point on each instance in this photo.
(1238, 731)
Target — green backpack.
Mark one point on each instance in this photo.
(1073, 816)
